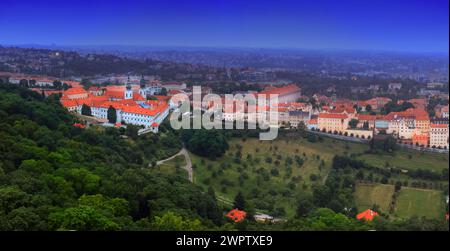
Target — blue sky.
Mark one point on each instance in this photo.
(396, 25)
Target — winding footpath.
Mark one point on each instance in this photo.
(187, 167)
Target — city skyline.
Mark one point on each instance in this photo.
(403, 26)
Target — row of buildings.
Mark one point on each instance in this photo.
(350, 118)
(346, 117)
(413, 126)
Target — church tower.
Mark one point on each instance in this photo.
(143, 87)
(128, 91)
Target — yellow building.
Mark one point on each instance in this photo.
(439, 135)
(332, 122)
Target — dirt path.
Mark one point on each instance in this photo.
(187, 167)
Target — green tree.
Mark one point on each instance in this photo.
(82, 218)
(207, 143)
(57, 85)
(173, 222)
(304, 206)
(23, 83)
(239, 201)
(86, 110)
(398, 186)
(163, 92)
(112, 115)
(353, 123)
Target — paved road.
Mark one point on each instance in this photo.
(187, 167)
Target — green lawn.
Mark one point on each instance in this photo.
(173, 166)
(366, 195)
(408, 159)
(410, 202)
(419, 202)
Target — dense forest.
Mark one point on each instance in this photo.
(55, 176)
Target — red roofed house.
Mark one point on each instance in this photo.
(312, 124)
(405, 124)
(420, 139)
(236, 215)
(331, 122)
(70, 105)
(419, 103)
(367, 215)
(96, 91)
(79, 125)
(286, 94)
(368, 119)
(300, 107)
(378, 102)
(76, 93)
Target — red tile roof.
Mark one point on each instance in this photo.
(312, 121)
(367, 117)
(332, 116)
(298, 104)
(138, 97)
(79, 125)
(139, 110)
(367, 215)
(412, 113)
(76, 90)
(236, 215)
(94, 88)
(343, 109)
(68, 103)
(438, 125)
(115, 94)
(281, 90)
(163, 98)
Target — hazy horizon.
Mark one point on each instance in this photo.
(399, 26)
(199, 48)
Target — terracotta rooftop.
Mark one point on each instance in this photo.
(332, 116)
(236, 215)
(367, 215)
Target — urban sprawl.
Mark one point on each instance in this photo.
(146, 102)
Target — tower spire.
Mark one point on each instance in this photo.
(142, 82)
(128, 85)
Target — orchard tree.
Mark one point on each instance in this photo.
(304, 206)
(239, 201)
